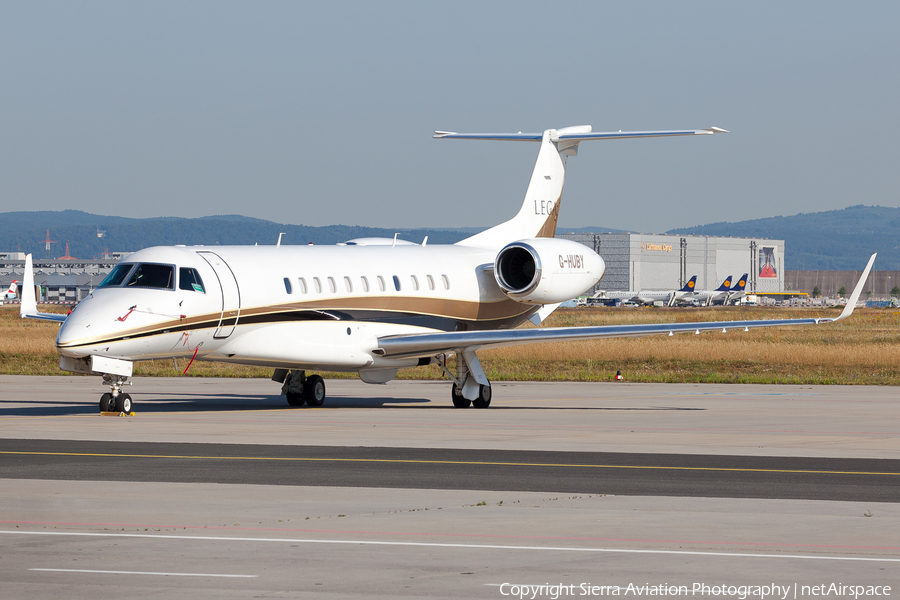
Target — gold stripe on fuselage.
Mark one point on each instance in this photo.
(502, 314)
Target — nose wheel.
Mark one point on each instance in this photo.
(115, 400)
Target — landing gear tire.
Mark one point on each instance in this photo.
(107, 403)
(484, 397)
(458, 400)
(123, 403)
(314, 390)
(295, 399)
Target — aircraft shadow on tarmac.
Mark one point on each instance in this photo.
(156, 403)
(168, 402)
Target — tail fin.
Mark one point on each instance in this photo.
(741, 283)
(690, 285)
(12, 287)
(540, 210)
(726, 285)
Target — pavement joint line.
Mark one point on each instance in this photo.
(97, 571)
(452, 546)
(446, 462)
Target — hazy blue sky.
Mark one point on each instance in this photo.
(322, 113)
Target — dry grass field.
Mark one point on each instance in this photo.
(860, 350)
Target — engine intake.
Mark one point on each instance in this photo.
(518, 268)
(546, 270)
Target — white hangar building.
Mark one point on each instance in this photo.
(642, 261)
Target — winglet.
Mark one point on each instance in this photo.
(28, 306)
(851, 303)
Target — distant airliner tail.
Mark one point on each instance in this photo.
(726, 285)
(741, 283)
(690, 285)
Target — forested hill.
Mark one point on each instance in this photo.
(834, 240)
(831, 240)
(26, 232)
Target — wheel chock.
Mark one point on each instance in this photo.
(110, 413)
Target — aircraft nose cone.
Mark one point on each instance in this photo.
(69, 332)
(75, 330)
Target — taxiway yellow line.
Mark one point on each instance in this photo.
(443, 462)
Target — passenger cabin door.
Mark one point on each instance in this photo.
(231, 294)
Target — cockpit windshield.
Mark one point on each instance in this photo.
(151, 275)
(117, 275)
(189, 279)
(154, 276)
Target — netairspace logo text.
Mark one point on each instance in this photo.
(739, 592)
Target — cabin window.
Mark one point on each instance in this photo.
(151, 275)
(287, 286)
(303, 288)
(189, 279)
(318, 285)
(365, 283)
(332, 287)
(396, 283)
(348, 284)
(415, 282)
(446, 281)
(117, 275)
(381, 283)
(430, 280)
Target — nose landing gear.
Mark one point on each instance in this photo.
(115, 400)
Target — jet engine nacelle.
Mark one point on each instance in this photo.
(546, 270)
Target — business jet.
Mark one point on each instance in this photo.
(11, 292)
(651, 296)
(369, 308)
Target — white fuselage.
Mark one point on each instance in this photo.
(297, 307)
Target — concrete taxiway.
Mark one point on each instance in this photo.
(154, 522)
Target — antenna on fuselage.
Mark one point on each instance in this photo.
(279, 239)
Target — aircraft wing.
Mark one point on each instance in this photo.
(429, 344)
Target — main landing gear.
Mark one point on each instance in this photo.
(470, 385)
(115, 400)
(300, 389)
(482, 401)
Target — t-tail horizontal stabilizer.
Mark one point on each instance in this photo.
(566, 135)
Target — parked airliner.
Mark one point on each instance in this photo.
(706, 297)
(11, 292)
(369, 308)
(653, 296)
(736, 292)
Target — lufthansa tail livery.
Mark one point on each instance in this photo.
(369, 307)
